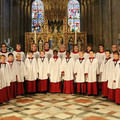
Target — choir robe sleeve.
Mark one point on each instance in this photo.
(7, 75)
(101, 67)
(62, 66)
(25, 71)
(76, 67)
(87, 67)
(98, 69)
(118, 76)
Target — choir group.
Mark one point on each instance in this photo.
(55, 72)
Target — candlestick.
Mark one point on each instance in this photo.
(35, 36)
(75, 36)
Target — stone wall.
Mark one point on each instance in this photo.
(99, 18)
(101, 21)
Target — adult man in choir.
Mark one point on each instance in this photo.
(62, 52)
(4, 51)
(48, 51)
(119, 48)
(36, 54)
(114, 48)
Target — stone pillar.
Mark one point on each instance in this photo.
(1, 19)
(82, 16)
(110, 21)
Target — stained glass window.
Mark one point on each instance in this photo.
(37, 15)
(74, 15)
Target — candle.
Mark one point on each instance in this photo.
(75, 36)
(35, 37)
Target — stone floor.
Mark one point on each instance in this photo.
(59, 107)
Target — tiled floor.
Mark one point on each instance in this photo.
(59, 107)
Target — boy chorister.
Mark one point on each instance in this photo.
(75, 53)
(79, 72)
(4, 80)
(100, 57)
(42, 84)
(67, 70)
(55, 74)
(117, 91)
(104, 70)
(13, 72)
(91, 72)
(32, 69)
(18, 50)
(4, 51)
(113, 76)
(48, 51)
(22, 73)
(62, 52)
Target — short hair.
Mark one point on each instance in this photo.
(81, 51)
(55, 51)
(114, 44)
(116, 52)
(62, 45)
(68, 51)
(30, 52)
(18, 54)
(108, 51)
(75, 45)
(10, 54)
(3, 56)
(19, 44)
(101, 45)
(46, 43)
(42, 51)
(3, 44)
(34, 44)
(92, 51)
(89, 45)
(119, 44)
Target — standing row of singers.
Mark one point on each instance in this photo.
(87, 72)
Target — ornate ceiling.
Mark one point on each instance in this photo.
(55, 10)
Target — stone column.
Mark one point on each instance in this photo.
(1, 19)
(110, 21)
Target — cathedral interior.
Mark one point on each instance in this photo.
(67, 22)
(94, 22)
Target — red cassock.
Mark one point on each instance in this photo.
(117, 96)
(20, 88)
(81, 88)
(111, 94)
(6, 94)
(30, 86)
(100, 85)
(68, 87)
(13, 89)
(104, 89)
(42, 85)
(55, 87)
(1, 96)
(92, 88)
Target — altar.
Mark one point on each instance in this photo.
(55, 39)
